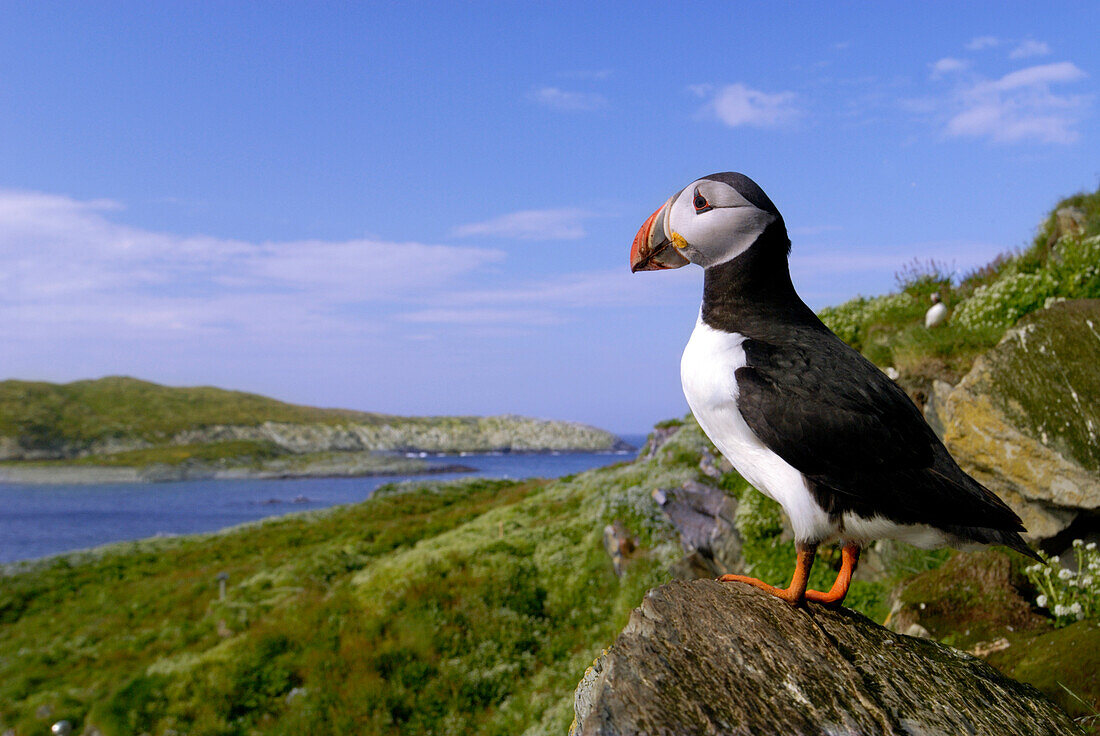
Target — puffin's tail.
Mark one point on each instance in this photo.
(985, 535)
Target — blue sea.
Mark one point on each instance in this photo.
(40, 520)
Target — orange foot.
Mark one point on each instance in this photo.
(796, 592)
(849, 559)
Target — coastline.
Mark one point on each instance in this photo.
(331, 465)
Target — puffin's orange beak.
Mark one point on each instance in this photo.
(652, 249)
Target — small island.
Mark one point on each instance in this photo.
(122, 429)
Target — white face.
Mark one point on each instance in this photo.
(710, 222)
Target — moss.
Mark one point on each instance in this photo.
(1063, 664)
(1042, 376)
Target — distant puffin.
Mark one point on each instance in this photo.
(804, 418)
(936, 314)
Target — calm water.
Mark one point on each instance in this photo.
(39, 520)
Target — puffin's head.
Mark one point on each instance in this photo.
(710, 221)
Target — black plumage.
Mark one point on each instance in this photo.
(857, 437)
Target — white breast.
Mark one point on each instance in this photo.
(707, 371)
(935, 316)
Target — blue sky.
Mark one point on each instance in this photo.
(428, 208)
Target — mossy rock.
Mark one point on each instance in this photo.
(974, 597)
(1045, 377)
(1063, 664)
(1025, 421)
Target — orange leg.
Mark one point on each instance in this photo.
(849, 557)
(794, 593)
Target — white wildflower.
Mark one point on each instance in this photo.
(1055, 560)
(1064, 574)
(1090, 546)
(1041, 601)
(1060, 610)
(1086, 582)
(1078, 543)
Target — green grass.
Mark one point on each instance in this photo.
(43, 414)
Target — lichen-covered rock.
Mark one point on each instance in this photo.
(1026, 420)
(712, 658)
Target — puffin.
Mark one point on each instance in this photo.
(802, 416)
(936, 314)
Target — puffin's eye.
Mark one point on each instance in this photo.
(701, 203)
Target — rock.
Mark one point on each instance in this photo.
(712, 658)
(704, 518)
(1069, 221)
(1025, 421)
(935, 405)
(620, 545)
(661, 434)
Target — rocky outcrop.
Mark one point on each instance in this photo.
(712, 658)
(1026, 420)
(703, 516)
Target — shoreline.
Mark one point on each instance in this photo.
(152, 474)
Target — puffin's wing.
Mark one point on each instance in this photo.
(831, 414)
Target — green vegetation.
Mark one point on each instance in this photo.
(117, 407)
(890, 330)
(465, 607)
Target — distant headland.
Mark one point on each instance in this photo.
(119, 429)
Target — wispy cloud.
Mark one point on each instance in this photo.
(737, 105)
(560, 99)
(560, 298)
(482, 316)
(1020, 106)
(948, 65)
(550, 224)
(67, 269)
(980, 43)
(595, 75)
(1029, 48)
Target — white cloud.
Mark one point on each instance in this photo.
(66, 269)
(1020, 106)
(737, 104)
(981, 43)
(559, 99)
(948, 65)
(1029, 48)
(550, 224)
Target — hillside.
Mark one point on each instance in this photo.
(119, 421)
(1061, 262)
